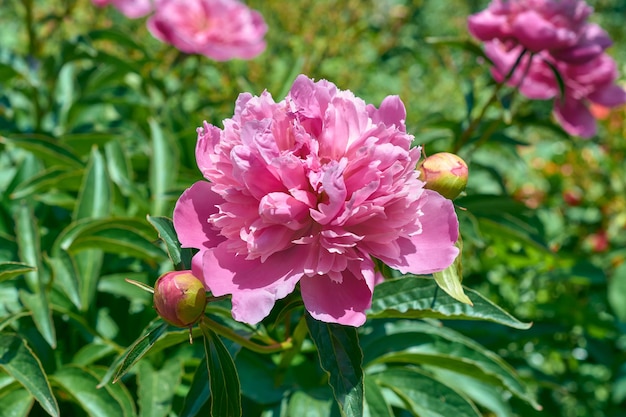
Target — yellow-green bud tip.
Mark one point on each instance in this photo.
(179, 298)
(445, 173)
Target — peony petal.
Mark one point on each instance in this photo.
(344, 303)
(575, 118)
(609, 96)
(254, 285)
(191, 216)
(433, 249)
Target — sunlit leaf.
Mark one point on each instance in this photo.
(46, 148)
(418, 297)
(450, 278)
(156, 388)
(223, 379)
(9, 270)
(81, 386)
(425, 396)
(163, 169)
(20, 362)
(341, 357)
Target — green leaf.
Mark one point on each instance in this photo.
(309, 404)
(181, 258)
(417, 297)
(65, 276)
(450, 278)
(156, 389)
(56, 177)
(425, 396)
(119, 169)
(416, 343)
(81, 385)
(616, 292)
(36, 301)
(458, 42)
(112, 235)
(94, 201)
(15, 403)
(94, 198)
(46, 148)
(119, 392)
(136, 351)
(486, 395)
(20, 362)
(199, 393)
(163, 169)
(223, 379)
(375, 403)
(9, 270)
(341, 357)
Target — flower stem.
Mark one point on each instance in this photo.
(247, 343)
(492, 99)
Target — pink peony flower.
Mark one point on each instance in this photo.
(310, 191)
(219, 29)
(130, 8)
(535, 24)
(591, 82)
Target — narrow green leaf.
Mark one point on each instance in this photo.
(156, 388)
(46, 148)
(308, 404)
(425, 396)
(181, 257)
(92, 353)
(375, 403)
(94, 198)
(65, 276)
(450, 278)
(616, 292)
(417, 343)
(119, 392)
(20, 362)
(199, 393)
(41, 312)
(113, 235)
(163, 169)
(9, 270)
(29, 246)
(223, 379)
(418, 297)
(81, 385)
(28, 241)
(119, 168)
(137, 350)
(341, 357)
(56, 177)
(15, 403)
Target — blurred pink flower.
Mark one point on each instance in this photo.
(535, 24)
(310, 190)
(219, 29)
(130, 8)
(584, 83)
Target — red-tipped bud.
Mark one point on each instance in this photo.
(445, 173)
(179, 298)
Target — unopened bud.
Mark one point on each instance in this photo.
(445, 173)
(179, 298)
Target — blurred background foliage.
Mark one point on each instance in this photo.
(98, 120)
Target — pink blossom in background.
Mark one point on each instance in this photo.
(535, 24)
(556, 36)
(585, 83)
(309, 191)
(219, 29)
(132, 9)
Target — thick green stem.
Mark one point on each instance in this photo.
(247, 343)
(492, 99)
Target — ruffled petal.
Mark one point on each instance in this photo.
(191, 216)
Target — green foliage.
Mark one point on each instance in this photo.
(97, 136)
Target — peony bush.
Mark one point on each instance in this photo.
(317, 246)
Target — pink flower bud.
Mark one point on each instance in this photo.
(179, 298)
(445, 173)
